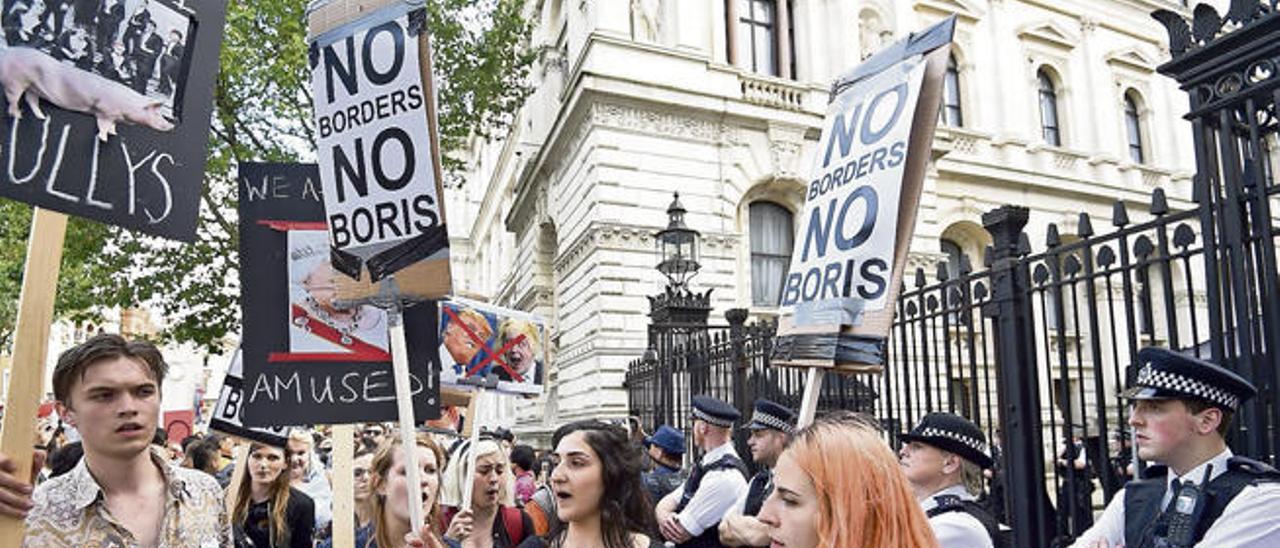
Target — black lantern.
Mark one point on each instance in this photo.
(677, 248)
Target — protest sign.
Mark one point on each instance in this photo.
(376, 144)
(178, 424)
(228, 413)
(492, 347)
(107, 109)
(306, 359)
(860, 207)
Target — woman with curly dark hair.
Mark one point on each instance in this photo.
(600, 498)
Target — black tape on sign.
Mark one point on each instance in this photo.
(408, 252)
(837, 347)
(345, 263)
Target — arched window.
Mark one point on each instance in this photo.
(772, 236)
(951, 113)
(1133, 128)
(1049, 109)
(954, 255)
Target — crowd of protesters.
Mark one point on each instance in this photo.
(110, 478)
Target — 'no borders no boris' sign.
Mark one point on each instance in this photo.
(850, 218)
(380, 177)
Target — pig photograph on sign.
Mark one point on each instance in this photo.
(375, 142)
(107, 106)
(492, 347)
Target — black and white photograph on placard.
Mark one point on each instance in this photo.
(131, 52)
(106, 108)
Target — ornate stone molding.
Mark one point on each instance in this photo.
(620, 237)
(785, 144)
(667, 124)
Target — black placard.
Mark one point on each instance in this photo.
(114, 100)
(304, 361)
(228, 413)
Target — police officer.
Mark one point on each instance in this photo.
(1182, 408)
(690, 515)
(943, 457)
(666, 450)
(772, 426)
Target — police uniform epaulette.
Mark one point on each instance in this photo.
(947, 502)
(1155, 471)
(1253, 467)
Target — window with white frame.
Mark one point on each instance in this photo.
(952, 114)
(1133, 127)
(1049, 120)
(761, 28)
(772, 236)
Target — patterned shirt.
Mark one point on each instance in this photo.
(71, 510)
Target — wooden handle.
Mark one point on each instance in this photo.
(30, 348)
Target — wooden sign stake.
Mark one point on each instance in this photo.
(344, 488)
(481, 405)
(404, 403)
(812, 392)
(30, 349)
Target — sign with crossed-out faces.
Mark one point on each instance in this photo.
(491, 347)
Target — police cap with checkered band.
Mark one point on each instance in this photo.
(954, 434)
(773, 415)
(715, 412)
(1165, 374)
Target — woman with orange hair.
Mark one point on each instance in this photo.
(859, 499)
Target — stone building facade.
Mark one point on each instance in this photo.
(1053, 105)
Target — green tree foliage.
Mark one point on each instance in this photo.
(262, 112)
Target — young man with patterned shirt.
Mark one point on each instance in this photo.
(123, 492)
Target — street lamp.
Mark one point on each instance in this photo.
(677, 248)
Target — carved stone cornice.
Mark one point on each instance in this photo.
(668, 124)
(620, 237)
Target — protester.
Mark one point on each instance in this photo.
(307, 476)
(487, 523)
(361, 467)
(65, 458)
(601, 499)
(772, 426)
(109, 389)
(203, 456)
(522, 463)
(267, 511)
(690, 515)
(226, 464)
(541, 509)
(372, 436)
(943, 458)
(1182, 410)
(839, 484)
(388, 481)
(665, 449)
